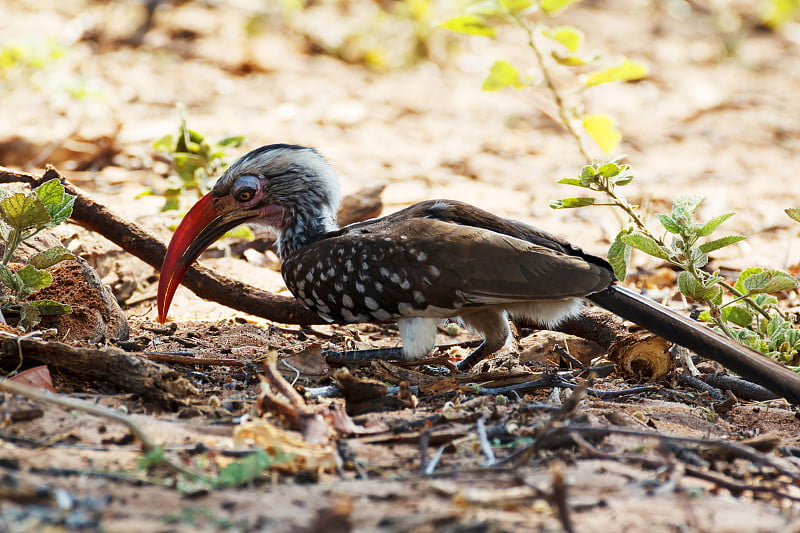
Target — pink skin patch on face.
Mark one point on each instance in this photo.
(274, 215)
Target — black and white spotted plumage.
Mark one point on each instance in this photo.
(435, 260)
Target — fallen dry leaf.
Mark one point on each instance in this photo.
(302, 456)
(38, 376)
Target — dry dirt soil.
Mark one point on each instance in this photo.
(718, 115)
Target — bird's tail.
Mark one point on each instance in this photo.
(702, 340)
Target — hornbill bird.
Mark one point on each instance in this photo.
(431, 261)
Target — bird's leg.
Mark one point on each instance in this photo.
(493, 325)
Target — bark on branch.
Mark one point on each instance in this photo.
(154, 383)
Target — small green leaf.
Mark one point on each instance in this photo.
(627, 71)
(713, 294)
(50, 257)
(709, 227)
(569, 36)
(739, 315)
(619, 255)
(567, 60)
(51, 307)
(746, 273)
(716, 244)
(11, 280)
(62, 212)
(697, 257)
(704, 316)
(551, 7)
(57, 202)
(645, 244)
(669, 223)
(234, 141)
(33, 278)
(794, 213)
(588, 172)
(517, 6)
(567, 203)
(776, 13)
(623, 178)
(609, 170)
(692, 288)
(29, 317)
(50, 192)
(470, 24)
(501, 75)
(603, 130)
(572, 181)
(171, 199)
(689, 286)
(164, 144)
(764, 300)
(151, 458)
(687, 202)
(244, 470)
(769, 281)
(23, 212)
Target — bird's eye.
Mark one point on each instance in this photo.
(245, 188)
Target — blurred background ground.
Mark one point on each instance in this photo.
(717, 115)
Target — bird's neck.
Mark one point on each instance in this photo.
(304, 228)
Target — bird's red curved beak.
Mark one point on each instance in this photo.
(208, 220)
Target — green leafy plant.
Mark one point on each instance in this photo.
(195, 160)
(746, 311)
(551, 47)
(22, 216)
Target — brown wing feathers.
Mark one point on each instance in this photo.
(423, 259)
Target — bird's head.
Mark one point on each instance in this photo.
(290, 188)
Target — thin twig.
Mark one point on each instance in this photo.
(424, 441)
(734, 486)
(560, 497)
(434, 462)
(719, 479)
(309, 421)
(486, 446)
(190, 360)
(728, 448)
(697, 383)
(548, 80)
(746, 390)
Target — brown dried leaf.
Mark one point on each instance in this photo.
(38, 376)
(302, 456)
